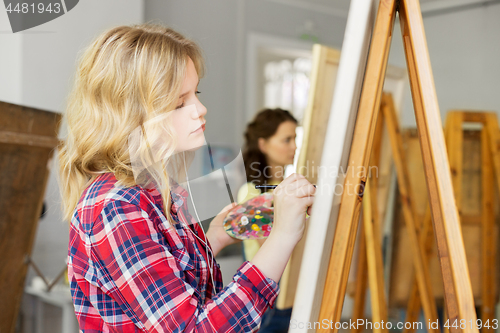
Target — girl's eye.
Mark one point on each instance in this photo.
(180, 106)
(198, 92)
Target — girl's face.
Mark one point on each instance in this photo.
(280, 148)
(188, 118)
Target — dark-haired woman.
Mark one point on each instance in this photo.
(269, 148)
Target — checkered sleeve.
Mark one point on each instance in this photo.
(150, 284)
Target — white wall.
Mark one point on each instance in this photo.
(464, 48)
(49, 57)
(10, 62)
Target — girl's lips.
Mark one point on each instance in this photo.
(200, 129)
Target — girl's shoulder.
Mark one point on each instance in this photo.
(105, 190)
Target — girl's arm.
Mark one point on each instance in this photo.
(154, 280)
(216, 234)
(292, 199)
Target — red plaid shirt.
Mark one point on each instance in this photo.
(131, 271)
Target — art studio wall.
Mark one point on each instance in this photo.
(464, 48)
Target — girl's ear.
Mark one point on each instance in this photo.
(262, 145)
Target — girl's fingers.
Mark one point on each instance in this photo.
(309, 210)
(228, 207)
(295, 183)
(306, 201)
(290, 179)
(299, 188)
(306, 190)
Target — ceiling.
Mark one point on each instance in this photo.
(341, 7)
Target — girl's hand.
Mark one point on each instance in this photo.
(216, 234)
(292, 198)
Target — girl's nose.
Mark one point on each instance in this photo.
(201, 110)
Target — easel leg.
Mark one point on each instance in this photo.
(375, 262)
(459, 299)
(361, 283)
(370, 248)
(426, 237)
(454, 144)
(343, 243)
(488, 250)
(417, 248)
(371, 222)
(491, 124)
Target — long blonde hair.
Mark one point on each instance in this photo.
(127, 76)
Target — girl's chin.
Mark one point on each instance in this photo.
(193, 146)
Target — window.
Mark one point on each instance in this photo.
(287, 85)
(285, 82)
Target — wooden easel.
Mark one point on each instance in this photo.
(325, 67)
(490, 136)
(370, 243)
(28, 138)
(371, 228)
(490, 158)
(370, 251)
(458, 293)
(490, 163)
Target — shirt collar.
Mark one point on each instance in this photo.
(178, 195)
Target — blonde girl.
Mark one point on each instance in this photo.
(138, 261)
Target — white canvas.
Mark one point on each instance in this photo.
(335, 156)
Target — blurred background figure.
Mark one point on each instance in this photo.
(269, 147)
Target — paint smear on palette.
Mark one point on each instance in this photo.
(252, 219)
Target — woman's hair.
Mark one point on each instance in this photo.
(128, 76)
(264, 125)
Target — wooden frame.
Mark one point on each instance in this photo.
(459, 300)
(490, 157)
(423, 290)
(323, 78)
(347, 223)
(339, 134)
(27, 140)
(471, 215)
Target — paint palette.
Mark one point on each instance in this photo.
(252, 219)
